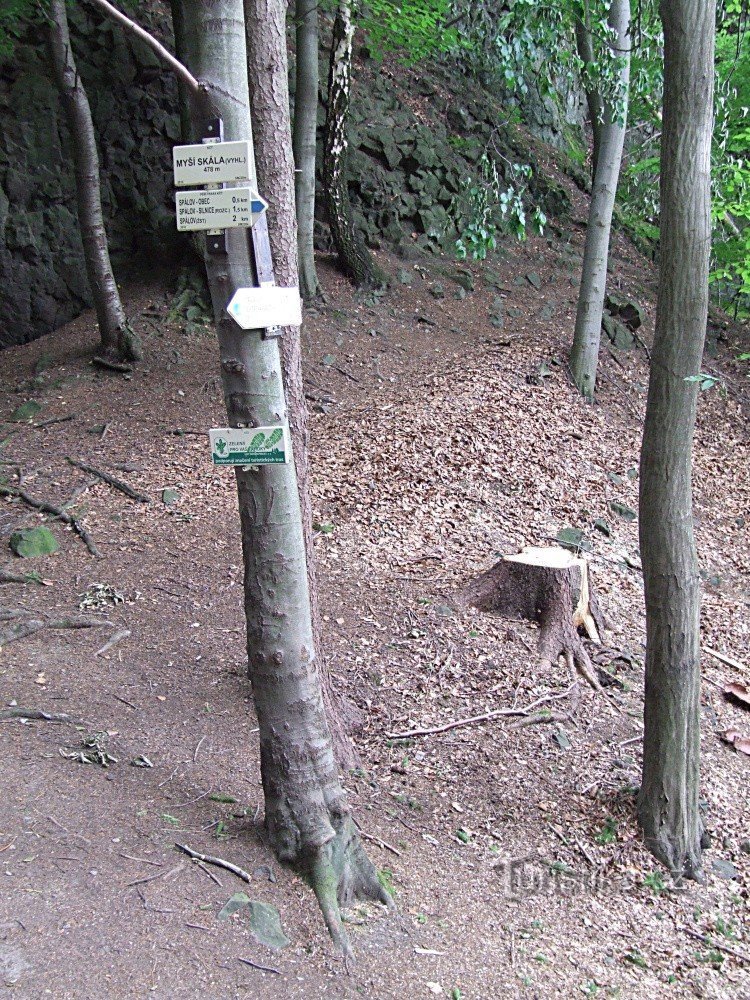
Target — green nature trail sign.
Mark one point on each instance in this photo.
(249, 445)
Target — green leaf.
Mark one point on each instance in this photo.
(33, 542)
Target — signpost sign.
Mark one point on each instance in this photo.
(211, 163)
(224, 208)
(249, 445)
(261, 308)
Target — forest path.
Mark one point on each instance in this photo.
(444, 430)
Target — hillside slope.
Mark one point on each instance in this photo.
(444, 430)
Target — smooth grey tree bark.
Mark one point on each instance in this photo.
(269, 102)
(305, 142)
(584, 355)
(119, 343)
(354, 257)
(668, 799)
(585, 48)
(307, 814)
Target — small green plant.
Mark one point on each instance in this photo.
(590, 989)
(456, 994)
(421, 918)
(608, 833)
(463, 835)
(172, 820)
(706, 381)
(655, 882)
(727, 929)
(635, 958)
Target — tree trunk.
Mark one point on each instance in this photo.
(307, 815)
(305, 142)
(584, 355)
(269, 102)
(668, 801)
(119, 344)
(549, 586)
(585, 47)
(354, 256)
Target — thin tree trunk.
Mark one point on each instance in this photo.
(584, 355)
(585, 47)
(307, 815)
(354, 256)
(118, 341)
(305, 142)
(668, 800)
(269, 101)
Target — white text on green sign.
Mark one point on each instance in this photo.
(211, 163)
(249, 445)
(226, 208)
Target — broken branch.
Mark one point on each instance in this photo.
(115, 483)
(58, 512)
(219, 862)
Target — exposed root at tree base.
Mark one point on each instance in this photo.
(340, 873)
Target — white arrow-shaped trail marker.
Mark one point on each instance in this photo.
(262, 308)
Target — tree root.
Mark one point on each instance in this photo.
(340, 873)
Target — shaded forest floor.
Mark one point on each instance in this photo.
(444, 431)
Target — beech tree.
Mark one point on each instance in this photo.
(668, 799)
(354, 256)
(584, 355)
(305, 142)
(119, 344)
(307, 815)
(269, 101)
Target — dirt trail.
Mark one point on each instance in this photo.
(442, 434)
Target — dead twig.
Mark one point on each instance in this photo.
(723, 658)
(117, 637)
(540, 717)
(257, 965)
(143, 861)
(35, 714)
(105, 477)
(498, 713)
(712, 943)
(124, 701)
(208, 872)
(380, 842)
(152, 878)
(55, 420)
(219, 862)
(58, 512)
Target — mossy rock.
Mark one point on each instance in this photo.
(33, 542)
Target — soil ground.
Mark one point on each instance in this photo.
(439, 440)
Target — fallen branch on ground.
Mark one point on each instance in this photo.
(58, 512)
(7, 577)
(35, 714)
(497, 714)
(112, 481)
(55, 420)
(711, 943)
(257, 965)
(533, 720)
(723, 658)
(219, 862)
(152, 878)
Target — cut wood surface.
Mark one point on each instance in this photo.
(550, 586)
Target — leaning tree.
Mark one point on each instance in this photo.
(668, 799)
(609, 139)
(119, 345)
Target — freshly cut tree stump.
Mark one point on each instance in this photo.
(550, 586)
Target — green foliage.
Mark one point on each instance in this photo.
(13, 15)
(416, 29)
(494, 209)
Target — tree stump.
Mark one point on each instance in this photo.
(549, 586)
